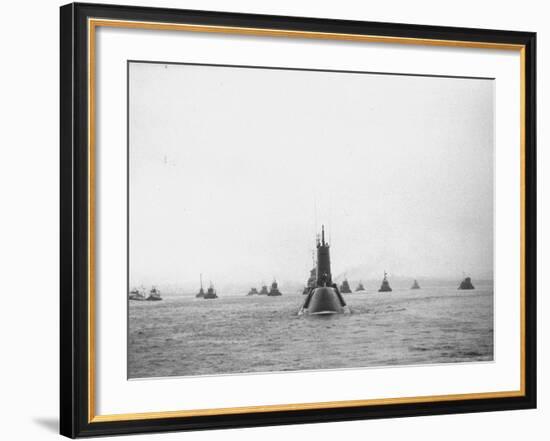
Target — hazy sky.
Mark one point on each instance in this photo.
(227, 166)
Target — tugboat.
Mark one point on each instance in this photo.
(154, 294)
(324, 298)
(211, 292)
(135, 294)
(274, 291)
(385, 287)
(252, 292)
(466, 283)
(311, 281)
(360, 287)
(200, 294)
(264, 291)
(345, 288)
(415, 285)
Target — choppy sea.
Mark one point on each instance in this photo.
(183, 336)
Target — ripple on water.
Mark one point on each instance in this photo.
(187, 336)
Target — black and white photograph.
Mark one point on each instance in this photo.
(286, 219)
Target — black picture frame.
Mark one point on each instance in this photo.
(75, 413)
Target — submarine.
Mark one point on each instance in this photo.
(324, 297)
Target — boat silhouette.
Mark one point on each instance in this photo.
(154, 295)
(136, 294)
(200, 294)
(466, 283)
(345, 288)
(210, 292)
(274, 291)
(385, 287)
(311, 280)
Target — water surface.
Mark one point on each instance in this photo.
(186, 336)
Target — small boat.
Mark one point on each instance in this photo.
(345, 288)
(360, 287)
(252, 292)
(154, 295)
(211, 292)
(310, 281)
(200, 294)
(274, 291)
(415, 285)
(466, 283)
(385, 287)
(135, 294)
(264, 291)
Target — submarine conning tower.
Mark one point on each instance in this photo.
(324, 297)
(324, 276)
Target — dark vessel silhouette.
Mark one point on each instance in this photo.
(274, 291)
(324, 297)
(415, 285)
(311, 280)
(466, 284)
(360, 287)
(136, 294)
(385, 287)
(252, 292)
(264, 291)
(345, 288)
(210, 292)
(200, 294)
(154, 295)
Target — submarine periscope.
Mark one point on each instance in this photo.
(324, 297)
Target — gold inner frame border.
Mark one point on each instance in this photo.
(92, 26)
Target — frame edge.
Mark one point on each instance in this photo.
(67, 379)
(73, 251)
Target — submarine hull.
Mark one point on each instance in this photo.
(324, 300)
